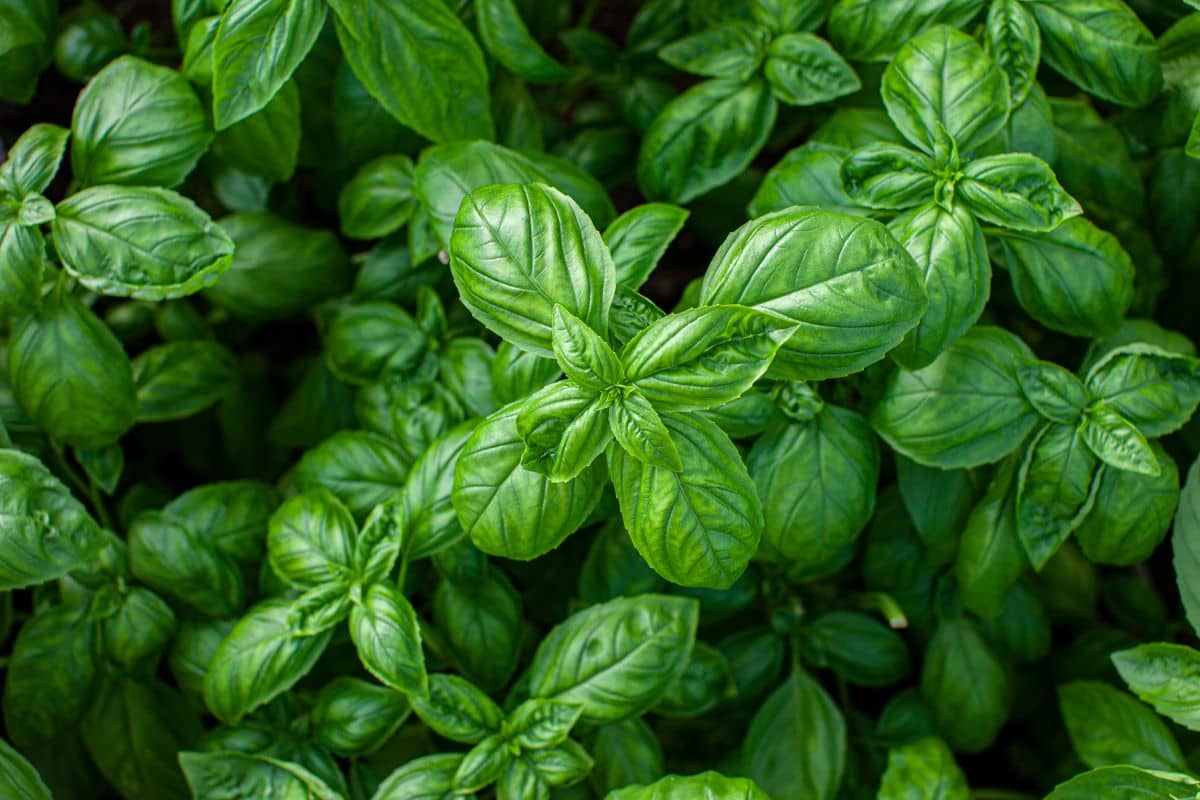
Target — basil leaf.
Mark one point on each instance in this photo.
(266, 143)
(870, 30)
(888, 176)
(353, 717)
(18, 778)
(565, 428)
(805, 70)
(1116, 442)
(1108, 727)
(949, 247)
(854, 291)
(508, 41)
(482, 624)
(1120, 781)
(1131, 513)
(458, 710)
(638, 238)
(137, 124)
(70, 374)
(730, 50)
(615, 660)
(22, 265)
(482, 765)
(705, 784)
(228, 775)
(179, 379)
(991, 556)
(703, 357)
(310, 541)
(431, 523)
(511, 511)
(1185, 544)
(258, 45)
(797, 741)
(924, 768)
(809, 175)
(538, 724)
(517, 251)
(1056, 488)
(371, 342)
(379, 199)
(965, 686)
(963, 410)
(1017, 191)
(425, 778)
(33, 159)
(784, 16)
(402, 50)
(1102, 47)
(705, 684)
(629, 753)
(1056, 393)
(361, 469)
(586, 359)
(942, 77)
(388, 639)
(141, 242)
(704, 137)
(1012, 38)
(173, 561)
(1155, 390)
(641, 433)
(231, 515)
(938, 502)
(1161, 674)
(261, 658)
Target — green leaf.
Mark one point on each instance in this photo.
(797, 741)
(704, 357)
(1156, 390)
(1055, 489)
(923, 769)
(431, 524)
(1055, 392)
(704, 138)
(517, 251)
(706, 683)
(22, 266)
(511, 511)
(565, 428)
(229, 775)
(950, 248)
(44, 531)
(1013, 40)
(361, 469)
(379, 199)
(137, 124)
(705, 784)
(785, 16)
(1123, 781)
(1116, 442)
(1102, 47)
(310, 540)
(148, 243)
(506, 38)
(809, 175)
(1131, 513)
(482, 624)
(888, 176)
(266, 143)
(697, 527)
(231, 515)
(420, 62)
(371, 342)
(1185, 544)
(615, 660)
(18, 778)
(456, 709)
(871, 30)
(1017, 191)
(537, 724)
(854, 291)
(816, 481)
(638, 238)
(70, 374)
(180, 379)
(586, 358)
(641, 433)
(173, 561)
(483, 764)
(732, 49)
(963, 410)
(943, 78)
(1164, 675)
(354, 717)
(33, 159)
(260, 659)
(258, 45)
(388, 639)
(965, 685)
(627, 753)
(805, 70)
(938, 502)
(425, 778)
(1108, 727)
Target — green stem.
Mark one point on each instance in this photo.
(86, 488)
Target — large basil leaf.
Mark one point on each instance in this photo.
(626, 753)
(70, 374)
(260, 658)
(388, 638)
(369, 342)
(871, 30)
(1163, 675)
(709, 785)
(231, 515)
(310, 540)
(354, 717)
(169, 558)
(965, 409)
(179, 379)
(704, 357)
(420, 62)
(942, 79)
(139, 242)
(137, 124)
(1123, 781)
(615, 660)
(258, 45)
(705, 137)
(266, 143)
(1076, 279)
(816, 481)
(227, 775)
(1108, 727)
(517, 251)
(804, 70)
(854, 291)
(696, 527)
(796, 744)
(508, 40)
(1055, 489)
(1102, 47)
(965, 685)
(949, 247)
